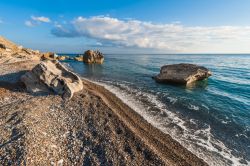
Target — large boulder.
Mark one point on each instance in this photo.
(182, 74)
(91, 56)
(52, 76)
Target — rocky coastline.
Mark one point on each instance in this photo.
(94, 127)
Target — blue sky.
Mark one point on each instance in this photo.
(128, 26)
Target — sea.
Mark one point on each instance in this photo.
(211, 118)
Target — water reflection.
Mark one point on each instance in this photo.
(93, 69)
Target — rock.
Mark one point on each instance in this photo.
(53, 56)
(62, 58)
(52, 75)
(79, 58)
(36, 51)
(12, 53)
(49, 56)
(8, 50)
(182, 74)
(91, 56)
(20, 47)
(2, 46)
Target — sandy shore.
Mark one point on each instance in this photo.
(94, 127)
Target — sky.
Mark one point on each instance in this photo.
(128, 26)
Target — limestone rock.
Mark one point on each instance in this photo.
(2, 46)
(62, 58)
(79, 58)
(53, 56)
(91, 56)
(52, 75)
(182, 74)
(11, 52)
(49, 56)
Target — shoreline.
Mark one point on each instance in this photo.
(170, 150)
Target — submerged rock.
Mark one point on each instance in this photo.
(182, 74)
(91, 56)
(52, 75)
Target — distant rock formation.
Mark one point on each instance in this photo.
(62, 57)
(49, 56)
(79, 58)
(52, 75)
(91, 56)
(53, 56)
(182, 74)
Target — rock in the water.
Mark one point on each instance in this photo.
(62, 58)
(92, 56)
(53, 56)
(49, 55)
(79, 58)
(182, 74)
(52, 75)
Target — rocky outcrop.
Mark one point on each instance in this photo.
(182, 74)
(62, 58)
(12, 53)
(2, 46)
(79, 58)
(52, 75)
(91, 56)
(49, 56)
(53, 56)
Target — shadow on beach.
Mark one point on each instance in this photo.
(13, 83)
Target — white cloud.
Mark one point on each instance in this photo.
(28, 23)
(36, 21)
(169, 37)
(41, 19)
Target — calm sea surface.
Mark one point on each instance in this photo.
(210, 118)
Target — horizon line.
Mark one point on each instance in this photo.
(168, 53)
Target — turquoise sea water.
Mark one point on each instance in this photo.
(210, 118)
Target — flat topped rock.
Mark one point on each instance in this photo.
(52, 75)
(182, 74)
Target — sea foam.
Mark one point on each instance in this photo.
(201, 142)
